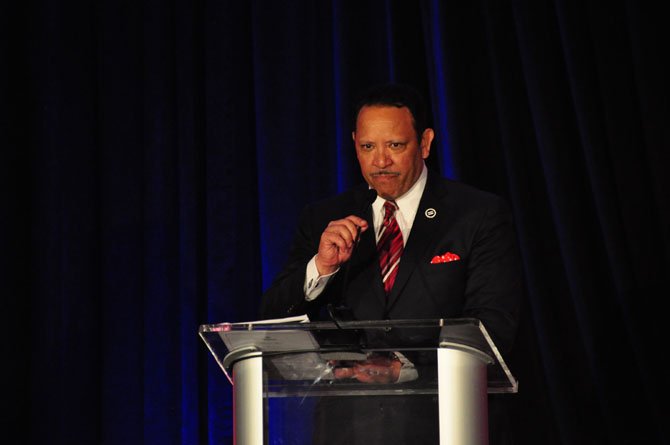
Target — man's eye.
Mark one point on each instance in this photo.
(397, 145)
(366, 146)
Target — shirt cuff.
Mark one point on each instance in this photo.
(407, 370)
(315, 283)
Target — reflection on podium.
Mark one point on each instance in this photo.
(401, 381)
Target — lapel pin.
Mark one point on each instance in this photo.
(430, 213)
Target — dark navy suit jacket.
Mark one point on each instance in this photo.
(485, 283)
(452, 217)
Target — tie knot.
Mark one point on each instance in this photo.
(390, 208)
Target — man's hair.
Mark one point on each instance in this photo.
(395, 95)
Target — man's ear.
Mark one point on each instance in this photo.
(426, 140)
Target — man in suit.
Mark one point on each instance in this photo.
(457, 255)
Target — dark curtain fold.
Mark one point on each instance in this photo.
(155, 157)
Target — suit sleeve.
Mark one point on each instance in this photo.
(286, 296)
(494, 285)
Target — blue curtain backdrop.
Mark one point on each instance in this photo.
(155, 156)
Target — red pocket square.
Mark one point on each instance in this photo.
(445, 258)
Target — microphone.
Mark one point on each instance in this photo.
(343, 312)
(370, 197)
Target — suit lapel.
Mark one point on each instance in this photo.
(429, 216)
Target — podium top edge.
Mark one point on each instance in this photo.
(321, 325)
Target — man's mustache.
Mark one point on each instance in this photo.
(385, 173)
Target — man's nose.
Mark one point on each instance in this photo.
(381, 159)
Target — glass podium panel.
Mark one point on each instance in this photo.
(335, 420)
(356, 381)
(302, 359)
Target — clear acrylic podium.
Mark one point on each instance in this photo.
(451, 361)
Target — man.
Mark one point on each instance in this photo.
(429, 247)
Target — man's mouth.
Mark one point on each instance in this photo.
(384, 173)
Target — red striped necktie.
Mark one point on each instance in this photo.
(389, 246)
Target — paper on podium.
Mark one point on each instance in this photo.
(239, 335)
(295, 319)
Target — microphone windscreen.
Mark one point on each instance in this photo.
(370, 198)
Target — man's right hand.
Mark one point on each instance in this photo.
(337, 243)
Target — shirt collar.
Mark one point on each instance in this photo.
(408, 203)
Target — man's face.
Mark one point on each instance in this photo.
(388, 152)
